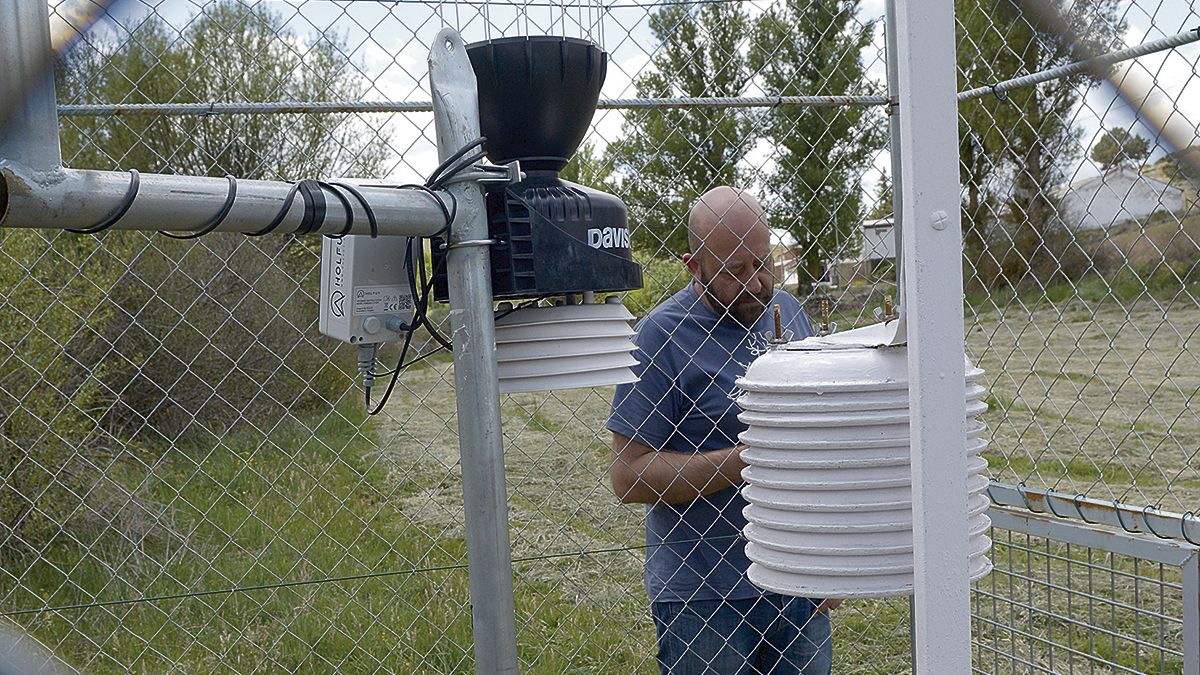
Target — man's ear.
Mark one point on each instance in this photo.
(693, 264)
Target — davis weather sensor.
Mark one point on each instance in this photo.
(537, 96)
(549, 240)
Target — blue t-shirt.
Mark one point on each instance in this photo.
(688, 360)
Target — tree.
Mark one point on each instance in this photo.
(590, 169)
(666, 159)
(815, 47)
(882, 201)
(178, 353)
(985, 124)
(1118, 147)
(1028, 134)
(229, 52)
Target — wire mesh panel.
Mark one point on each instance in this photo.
(1115, 604)
(190, 482)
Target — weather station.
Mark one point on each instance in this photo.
(509, 229)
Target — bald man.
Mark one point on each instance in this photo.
(675, 449)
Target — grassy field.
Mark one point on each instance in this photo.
(1087, 397)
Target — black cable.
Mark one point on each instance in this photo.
(433, 352)
(456, 169)
(408, 336)
(216, 220)
(283, 211)
(436, 175)
(422, 290)
(131, 193)
(332, 187)
(310, 190)
(427, 288)
(371, 221)
(524, 305)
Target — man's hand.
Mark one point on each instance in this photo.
(829, 604)
(643, 475)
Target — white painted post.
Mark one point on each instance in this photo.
(933, 294)
(1191, 615)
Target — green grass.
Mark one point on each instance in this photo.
(330, 494)
(311, 499)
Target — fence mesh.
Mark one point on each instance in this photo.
(1054, 607)
(186, 459)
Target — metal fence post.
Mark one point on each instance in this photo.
(893, 94)
(932, 257)
(477, 389)
(28, 109)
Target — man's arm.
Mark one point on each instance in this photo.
(642, 475)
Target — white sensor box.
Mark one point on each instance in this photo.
(364, 283)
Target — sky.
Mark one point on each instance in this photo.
(388, 42)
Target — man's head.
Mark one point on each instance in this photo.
(731, 253)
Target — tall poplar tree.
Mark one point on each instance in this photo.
(666, 158)
(1028, 134)
(814, 47)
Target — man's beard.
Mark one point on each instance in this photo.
(746, 308)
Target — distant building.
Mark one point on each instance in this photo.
(787, 265)
(878, 240)
(1114, 197)
(878, 246)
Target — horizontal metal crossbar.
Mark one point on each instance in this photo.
(1142, 520)
(329, 107)
(326, 107)
(1102, 61)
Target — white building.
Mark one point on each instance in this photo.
(878, 240)
(1116, 196)
(878, 245)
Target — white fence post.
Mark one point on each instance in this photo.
(932, 261)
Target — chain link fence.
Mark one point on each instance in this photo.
(190, 482)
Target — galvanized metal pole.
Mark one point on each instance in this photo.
(933, 294)
(477, 389)
(893, 85)
(75, 199)
(28, 110)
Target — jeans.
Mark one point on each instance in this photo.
(769, 634)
